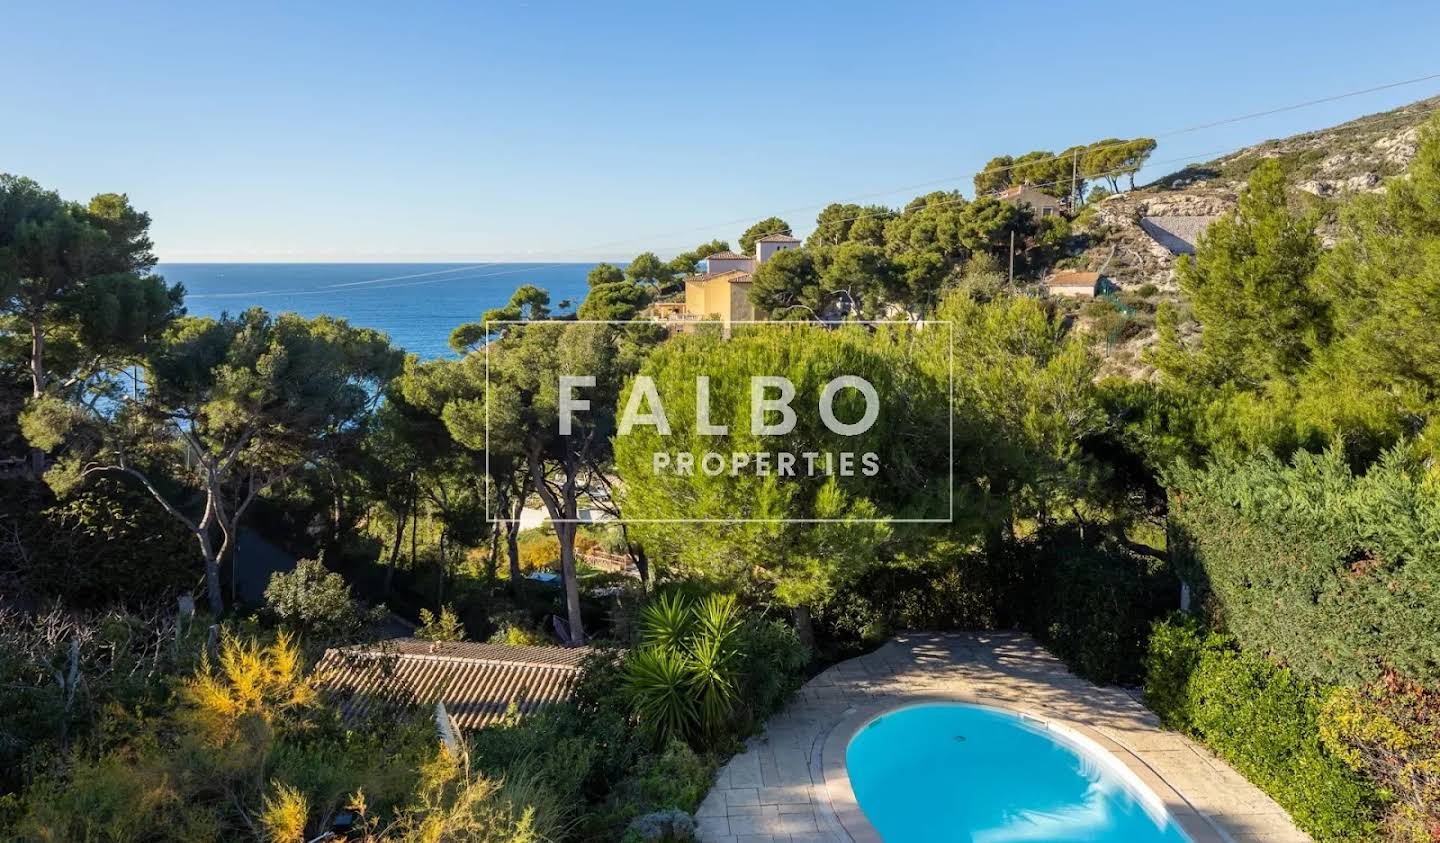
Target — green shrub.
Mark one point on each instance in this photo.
(669, 826)
(674, 778)
(1093, 603)
(1336, 575)
(1390, 731)
(947, 588)
(682, 680)
(317, 602)
(1174, 652)
(771, 665)
(519, 634)
(445, 626)
(1265, 721)
(100, 545)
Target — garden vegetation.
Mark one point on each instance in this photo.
(1253, 534)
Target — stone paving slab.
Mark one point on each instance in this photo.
(776, 790)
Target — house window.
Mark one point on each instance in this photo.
(1047, 211)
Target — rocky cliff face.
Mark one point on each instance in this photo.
(1325, 167)
(1134, 237)
(1129, 255)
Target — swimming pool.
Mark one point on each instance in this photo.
(962, 772)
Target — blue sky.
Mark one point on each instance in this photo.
(551, 131)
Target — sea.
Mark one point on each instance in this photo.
(416, 304)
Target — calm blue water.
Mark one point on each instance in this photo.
(417, 304)
(965, 773)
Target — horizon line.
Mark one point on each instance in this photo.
(393, 260)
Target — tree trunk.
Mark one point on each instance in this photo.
(804, 627)
(414, 529)
(440, 584)
(212, 572)
(562, 515)
(402, 515)
(37, 356)
(567, 555)
(572, 583)
(38, 381)
(492, 565)
(642, 564)
(512, 540)
(338, 513)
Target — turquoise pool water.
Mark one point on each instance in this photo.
(955, 772)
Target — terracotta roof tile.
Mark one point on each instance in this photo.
(777, 238)
(476, 682)
(706, 276)
(728, 256)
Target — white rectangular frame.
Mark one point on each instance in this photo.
(950, 361)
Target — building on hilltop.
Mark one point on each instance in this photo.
(766, 247)
(1023, 195)
(722, 291)
(727, 261)
(721, 295)
(475, 683)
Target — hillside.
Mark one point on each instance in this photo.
(1134, 237)
(1324, 166)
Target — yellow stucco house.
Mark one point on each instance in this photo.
(722, 291)
(720, 295)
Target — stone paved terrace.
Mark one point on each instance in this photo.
(776, 790)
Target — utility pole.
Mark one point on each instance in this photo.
(1012, 259)
(1074, 182)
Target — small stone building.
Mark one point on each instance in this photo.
(1075, 285)
(1023, 195)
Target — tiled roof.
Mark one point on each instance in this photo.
(1177, 233)
(706, 276)
(728, 256)
(1073, 279)
(777, 238)
(476, 682)
(1020, 190)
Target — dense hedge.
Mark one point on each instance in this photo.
(1265, 721)
(1335, 575)
(1090, 601)
(949, 587)
(1093, 603)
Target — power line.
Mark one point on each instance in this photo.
(1198, 127)
(1407, 115)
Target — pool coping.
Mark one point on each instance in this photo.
(841, 795)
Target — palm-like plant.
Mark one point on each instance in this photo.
(666, 622)
(712, 659)
(658, 682)
(682, 679)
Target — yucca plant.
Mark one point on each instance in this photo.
(712, 659)
(682, 679)
(666, 622)
(658, 682)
